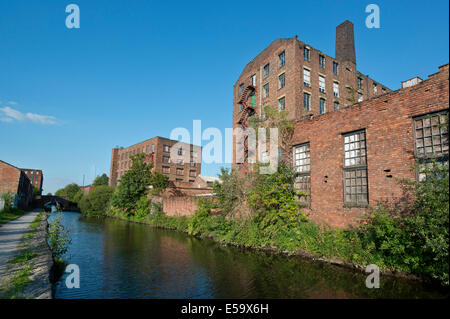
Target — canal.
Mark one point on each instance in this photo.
(118, 259)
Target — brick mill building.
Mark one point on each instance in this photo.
(293, 76)
(354, 137)
(181, 163)
(13, 180)
(36, 177)
(357, 160)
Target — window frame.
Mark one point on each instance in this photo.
(282, 59)
(284, 103)
(266, 74)
(282, 81)
(307, 107)
(356, 167)
(305, 173)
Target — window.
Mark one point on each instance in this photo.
(166, 159)
(166, 148)
(321, 61)
(180, 171)
(302, 165)
(321, 84)
(374, 88)
(241, 89)
(431, 135)
(322, 106)
(253, 79)
(178, 179)
(306, 77)
(265, 157)
(266, 70)
(192, 173)
(335, 68)
(192, 164)
(306, 54)
(360, 85)
(281, 81)
(180, 151)
(281, 104)
(180, 161)
(266, 90)
(383, 90)
(360, 97)
(307, 101)
(336, 105)
(355, 169)
(166, 169)
(336, 89)
(153, 147)
(281, 59)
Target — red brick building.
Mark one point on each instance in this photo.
(351, 158)
(181, 165)
(14, 180)
(36, 177)
(293, 76)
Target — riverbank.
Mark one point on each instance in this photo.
(28, 272)
(328, 246)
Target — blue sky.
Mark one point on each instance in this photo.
(138, 68)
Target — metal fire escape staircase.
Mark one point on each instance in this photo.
(246, 112)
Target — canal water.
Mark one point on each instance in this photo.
(118, 259)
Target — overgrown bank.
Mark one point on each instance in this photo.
(264, 211)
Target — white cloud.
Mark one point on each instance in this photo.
(12, 114)
(12, 103)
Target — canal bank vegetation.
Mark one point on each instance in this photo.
(8, 212)
(263, 211)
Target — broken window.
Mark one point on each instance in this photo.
(281, 59)
(266, 70)
(430, 141)
(302, 165)
(306, 77)
(266, 90)
(355, 169)
(306, 53)
(281, 104)
(322, 106)
(307, 101)
(281, 81)
(321, 61)
(321, 84)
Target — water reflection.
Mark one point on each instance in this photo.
(125, 260)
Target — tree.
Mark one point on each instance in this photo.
(69, 191)
(159, 182)
(273, 118)
(133, 184)
(96, 202)
(101, 180)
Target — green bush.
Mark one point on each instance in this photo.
(274, 201)
(69, 191)
(8, 202)
(417, 240)
(97, 201)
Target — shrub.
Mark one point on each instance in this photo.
(8, 201)
(97, 201)
(58, 237)
(274, 201)
(416, 241)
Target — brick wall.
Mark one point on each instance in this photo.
(179, 205)
(388, 123)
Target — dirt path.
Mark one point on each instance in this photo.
(10, 236)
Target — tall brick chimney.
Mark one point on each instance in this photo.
(345, 42)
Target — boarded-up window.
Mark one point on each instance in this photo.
(355, 169)
(302, 164)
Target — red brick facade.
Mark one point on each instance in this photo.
(36, 177)
(166, 161)
(388, 123)
(293, 69)
(16, 182)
